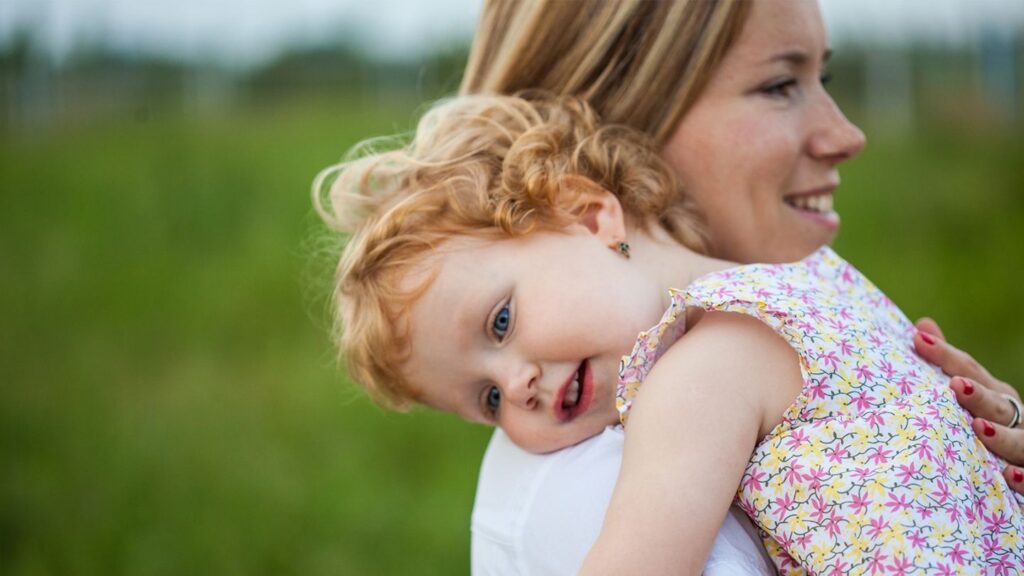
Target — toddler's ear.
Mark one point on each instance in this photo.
(599, 210)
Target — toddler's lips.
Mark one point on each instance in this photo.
(575, 395)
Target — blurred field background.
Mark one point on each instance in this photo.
(169, 401)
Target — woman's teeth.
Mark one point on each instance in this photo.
(821, 203)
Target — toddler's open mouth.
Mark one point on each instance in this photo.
(575, 395)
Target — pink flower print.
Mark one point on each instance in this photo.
(762, 294)
(787, 288)
(786, 562)
(906, 386)
(1004, 567)
(887, 369)
(916, 540)
(941, 492)
(944, 570)
(875, 419)
(954, 512)
(797, 438)
(860, 473)
(814, 476)
(793, 475)
(804, 539)
(806, 299)
(989, 545)
(922, 423)
(832, 524)
(877, 526)
(950, 452)
(845, 313)
(958, 554)
(815, 314)
(925, 513)
(864, 373)
(722, 293)
(747, 506)
(876, 340)
(860, 503)
(837, 453)
(753, 480)
(996, 522)
(817, 389)
(848, 275)
(830, 359)
(844, 347)
(900, 565)
(818, 506)
(906, 472)
(876, 564)
(897, 503)
(837, 326)
(838, 569)
(881, 455)
(863, 400)
(924, 451)
(782, 504)
(969, 513)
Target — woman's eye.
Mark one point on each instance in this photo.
(826, 78)
(782, 88)
(501, 322)
(492, 400)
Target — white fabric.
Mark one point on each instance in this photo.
(540, 514)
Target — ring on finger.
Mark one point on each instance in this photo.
(1017, 409)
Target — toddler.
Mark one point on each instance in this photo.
(521, 265)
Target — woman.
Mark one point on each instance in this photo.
(732, 94)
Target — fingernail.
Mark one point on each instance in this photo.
(988, 429)
(1018, 476)
(928, 338)
(968, 387)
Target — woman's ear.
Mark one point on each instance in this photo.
(599, 210)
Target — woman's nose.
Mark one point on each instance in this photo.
(521, 387)
(834, 139)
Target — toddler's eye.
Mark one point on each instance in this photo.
(501, 322)
(493, 399)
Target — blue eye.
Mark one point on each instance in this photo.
(493, 399)
(501, 323)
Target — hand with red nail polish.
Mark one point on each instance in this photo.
(980, 393)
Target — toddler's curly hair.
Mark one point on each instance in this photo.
(482, 166)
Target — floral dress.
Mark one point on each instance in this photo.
(875, 468)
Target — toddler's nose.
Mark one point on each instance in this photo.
(521, 387)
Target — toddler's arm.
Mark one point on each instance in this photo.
(692, 429)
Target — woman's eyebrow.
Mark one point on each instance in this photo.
(797, 57)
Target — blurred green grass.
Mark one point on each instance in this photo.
(170, 404)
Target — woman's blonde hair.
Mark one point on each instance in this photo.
(481, 166)
(641, 63)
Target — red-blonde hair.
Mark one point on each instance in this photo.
(482, 166)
